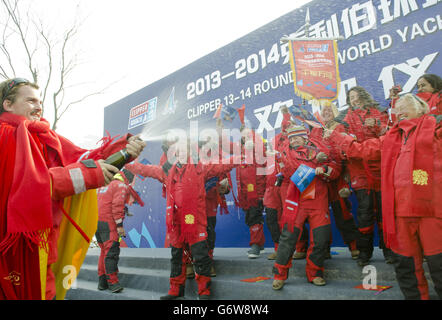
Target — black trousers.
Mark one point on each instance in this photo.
(346, 225)
(369, 211)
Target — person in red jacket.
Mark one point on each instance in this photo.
(216, 189)
(39, 169)
(311, 205)
(429, 87)
(250, 181)
(251, 184)
(338, 189)
(276, 183)
(186, 218)
(410, 155)
(363, 120)
(112, 201)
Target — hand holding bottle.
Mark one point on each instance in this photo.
(135, 146)
(133, 149)
(108, 170)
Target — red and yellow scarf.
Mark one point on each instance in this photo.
(25, 203)
(421, 174)
(29, 204)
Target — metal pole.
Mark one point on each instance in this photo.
(307, 32)
(307, 35)
(307, 23)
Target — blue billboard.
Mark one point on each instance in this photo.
(386, 43)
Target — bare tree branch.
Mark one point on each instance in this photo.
(49, 57)
(14, 14)
(66, 68)
(5, 51)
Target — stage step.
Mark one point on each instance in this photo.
(144, 273)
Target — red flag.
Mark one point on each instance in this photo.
(373, 288)
(218, 112)
(256, 279)
(318, 116)
(241, 113)
(315, 69)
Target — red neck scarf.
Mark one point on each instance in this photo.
(433, 100)
(25, 203)
(421, 175)
(29, 204)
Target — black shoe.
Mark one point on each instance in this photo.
(363, 262)
(102, 283)
(254, 251)
(170, 297)
(115, 287)
(364, 257)
(204, 297)
(389, 256)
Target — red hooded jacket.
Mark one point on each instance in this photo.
(41, 169)
(111, 202)
(434, 101)
(411, 154)
(364, 174)
(293, 158)
(186, 215)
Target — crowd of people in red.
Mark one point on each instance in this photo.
(387, 157)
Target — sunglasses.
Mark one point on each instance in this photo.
(14, 82)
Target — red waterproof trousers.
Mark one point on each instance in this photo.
(418, 237)
(320, 229)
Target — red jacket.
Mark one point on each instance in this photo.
(373, 149)
(335, 154)
(185, 193)
(41, 168)
(66, 174)
(111, 202)
(212, 202)
(251, 185)
(273, 168)
(364, 174)
(293, 158)
(251, 177)
(401, 181)
(213, 198)
(434, 101)
(279, 143)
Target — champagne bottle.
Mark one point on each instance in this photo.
(118, 159)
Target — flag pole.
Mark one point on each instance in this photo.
(307, 35)
(307, 23)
